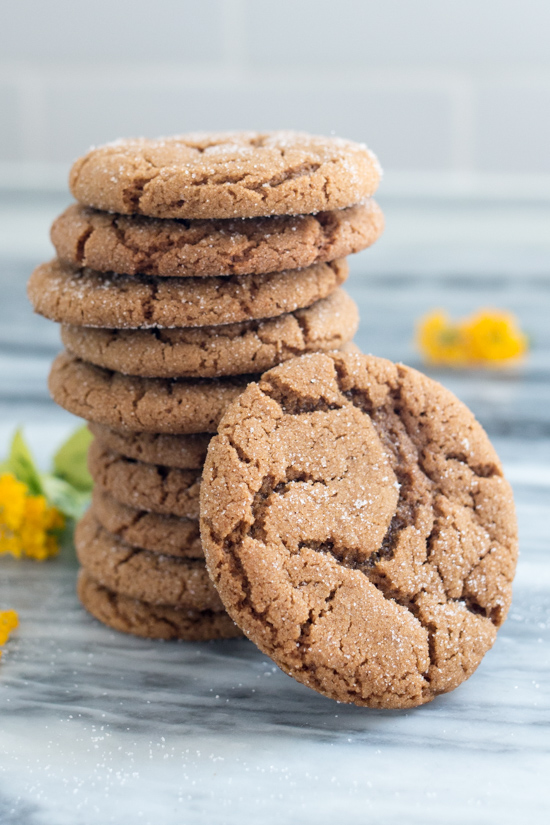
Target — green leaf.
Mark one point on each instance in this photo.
(70, 461)
(21, 463)
(62, 494)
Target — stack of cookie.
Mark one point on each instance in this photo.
(188, 266)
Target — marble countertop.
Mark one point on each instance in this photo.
(97, 727)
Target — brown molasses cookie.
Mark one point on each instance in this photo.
(165, 248)
(185, 451)
(151, 405)
(169, 535)
(152, 621)
(358, 527)
(93, 299)
(225, 175)
(140, 574)
(210, 352)
(150, 487)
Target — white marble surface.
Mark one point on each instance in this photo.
(97, 727)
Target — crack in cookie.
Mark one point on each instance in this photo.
(225, 175)
(357, 524)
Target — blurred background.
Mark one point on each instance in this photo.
(454, 97)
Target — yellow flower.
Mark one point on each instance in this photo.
(494, 336)
(487, 338)
(8, 622)
(441, 341)
(12, 501)
(28, 525)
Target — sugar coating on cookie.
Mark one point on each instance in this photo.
(165, 534)
(134, 244)
(140, 574)
(210, 352)
(87, 298)
(358, 527)
(225, 175)
(141, 405)
(185, 451)
(152, 621)
(158, 489)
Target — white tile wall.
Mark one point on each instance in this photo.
(413, 126)
(11, 137)
(513, 126)
(434, 86)
(403, 33)
(69, 32)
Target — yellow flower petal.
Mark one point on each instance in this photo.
(28, 525)
(439, 340)
(494, 336)
(12, 501)
(488, 337)
(8, 622)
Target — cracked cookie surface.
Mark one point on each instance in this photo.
(141, 405)
(87, 298)
(166, 248)
(152, 621)
(166, 534)
(358, 527)
(210, 352)
(140, 574)
(152, 487)
(185, 451)
(225, 175)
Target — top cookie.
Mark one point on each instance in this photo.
(225, 175)
(358, 527)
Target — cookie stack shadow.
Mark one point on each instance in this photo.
(166, 316)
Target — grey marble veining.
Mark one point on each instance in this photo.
(97, 727)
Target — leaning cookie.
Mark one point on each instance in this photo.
(140, 574)
(165, 490)
(358, 527)
(225, 175)
(141, 405)
(152, 621)
(137, 245)
(165, 534)
(94, 299)
(187, 452)
(211, 352)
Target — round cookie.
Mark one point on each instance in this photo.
(166, 248)
(225, 175)
(152, 621)
(140, 574)
(169, 535)
(210, 352)
(358, 527)
(150, 405)
(151, 487)
(185, 451)
(94, 299)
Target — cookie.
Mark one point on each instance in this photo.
(225, 175)
(150, 405)
(168, 535)
(210, 352)
(137, 245)
(358, 527)
(152, 621)
(185, 451)
(140, 574)
(151, 487)
(93, 299)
